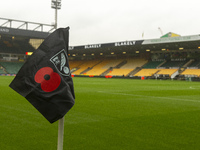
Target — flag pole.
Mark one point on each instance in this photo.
(56, 4)
(60, 134)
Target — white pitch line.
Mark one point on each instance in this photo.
(192, 87)
(187, 100)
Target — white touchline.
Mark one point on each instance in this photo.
(187, 100)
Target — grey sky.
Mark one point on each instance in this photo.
(104, 21)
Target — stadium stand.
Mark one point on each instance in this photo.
(195, 63)
(98, 69)
(86, 66)
(1, 70)
(146, 72)
(15, 46)
(134, 63)
(126, 58)
(129, 66)
(153, 64)
(120, 72)
(166, 72)
(159, 72)
(123, 67)
(191, 72)
(75, 64)
(114, 67)
(113, 63)
(11, 67)
(170, 64)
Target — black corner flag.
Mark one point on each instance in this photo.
(45, 79)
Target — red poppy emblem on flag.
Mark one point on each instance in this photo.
(48, 79)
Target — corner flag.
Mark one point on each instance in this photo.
(45, 79)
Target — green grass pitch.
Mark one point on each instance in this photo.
(109, 114)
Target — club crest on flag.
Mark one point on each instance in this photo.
(60, 62)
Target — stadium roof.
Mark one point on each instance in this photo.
(24, 28)
(23, 33)
(167, 43)
(178, 43)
